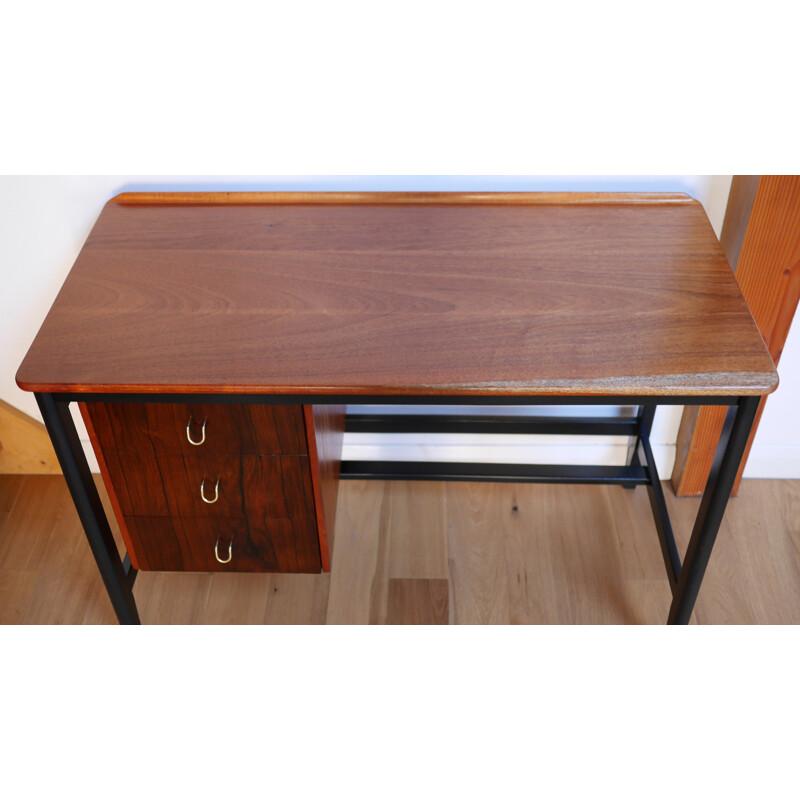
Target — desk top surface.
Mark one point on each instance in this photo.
(377, 294)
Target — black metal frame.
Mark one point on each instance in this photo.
(684, 580)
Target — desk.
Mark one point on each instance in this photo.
(266, 302)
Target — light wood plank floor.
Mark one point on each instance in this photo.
(432, 553)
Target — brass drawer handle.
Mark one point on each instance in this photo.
(203, 493)
(230, 552)
(189, 432)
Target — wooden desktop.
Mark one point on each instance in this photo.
(214, 340)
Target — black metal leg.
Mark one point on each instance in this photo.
(730, 449)
(68, 448)
(644, 425)
(658, 504)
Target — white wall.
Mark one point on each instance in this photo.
(45, 220)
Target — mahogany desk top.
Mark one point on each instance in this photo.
(393, 294)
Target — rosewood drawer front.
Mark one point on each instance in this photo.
(234, 492)
(278, 487)
(263, 508)
(181, 428)
(280, 545)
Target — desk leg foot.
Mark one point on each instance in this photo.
(69, 450)
(730, 449)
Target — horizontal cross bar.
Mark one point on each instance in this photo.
(442, 423)
(504, 473)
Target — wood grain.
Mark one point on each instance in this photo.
(418, 542)
(10, 487)
(272, 487)
(385, 298)
(265, 502)
(160, 428)
(172, 598)
(768, 272)
(359, 568)
(25, 447)
(419, 601)
(479, 581)
(16, 591)
(396, 198)
(325, 434)
(268, 514)
(741, 197)
(187, 545)
(753, 577)
(154, 478)
(38, 511)
(297, 599)
(113, 499)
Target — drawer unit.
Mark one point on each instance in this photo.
(217, 487)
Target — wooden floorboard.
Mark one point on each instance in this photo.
(417, 601)
(428, 553)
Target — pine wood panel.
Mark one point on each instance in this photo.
(741, 197)
(535, 552)
(768, 272)
(25, 447)
(378, 298)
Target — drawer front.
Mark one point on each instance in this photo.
(269, 487)
(178, 501)
(253, 545)
(161, 428)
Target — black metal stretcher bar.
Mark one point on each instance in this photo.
(445, 423)
(498, 473)
(685, 580)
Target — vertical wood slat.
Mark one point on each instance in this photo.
(763, 246)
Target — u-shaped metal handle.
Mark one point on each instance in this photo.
(203, 492)
(189, 432)
(230, 552)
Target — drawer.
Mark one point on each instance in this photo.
(264, 487)
(171, 428)
(266, 545)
